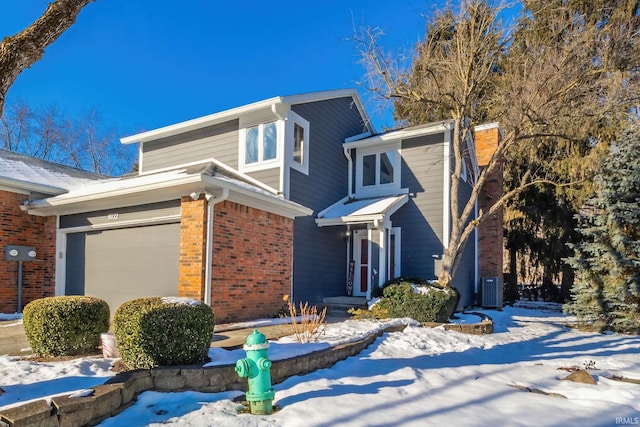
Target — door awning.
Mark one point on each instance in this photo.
(361, 211)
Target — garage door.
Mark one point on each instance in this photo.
(123, 264)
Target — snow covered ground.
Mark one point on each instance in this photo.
(418, 377)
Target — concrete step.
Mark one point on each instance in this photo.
(339, 306)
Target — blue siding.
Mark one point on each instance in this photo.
(421, 218)
(319, 260)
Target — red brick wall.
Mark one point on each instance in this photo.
(20, 228)
(490, 232)
(252, 262)
(193, 228)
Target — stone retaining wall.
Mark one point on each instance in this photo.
(120, 391)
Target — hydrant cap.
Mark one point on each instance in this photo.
(256, 338)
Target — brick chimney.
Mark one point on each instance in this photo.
(490, 232)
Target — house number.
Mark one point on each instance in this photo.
(112, 216)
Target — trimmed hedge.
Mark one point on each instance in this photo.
(435, 305)
(65, 325)
(153, 332)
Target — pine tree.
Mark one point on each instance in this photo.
(606, 293)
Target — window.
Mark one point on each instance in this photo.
(378, 168)
(261, 143)
(298, 144)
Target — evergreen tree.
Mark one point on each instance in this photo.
(607, 260)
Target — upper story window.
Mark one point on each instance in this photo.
(377, 171)
(297, 142)
(261, 143)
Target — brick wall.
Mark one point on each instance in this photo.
(193, 228)
(252, 262)
(20, 228)
(490, 232)
(252, 259)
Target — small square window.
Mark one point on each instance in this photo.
(261, 143)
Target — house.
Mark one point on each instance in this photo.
(396, 213)
(22, 179)
(291, 195)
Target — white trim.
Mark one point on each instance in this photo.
(396, 231)
(382, 258)
(446, 191)
(271, 103)
(358, 235)
(260, 164)
(357, 137)
(61, 260)
(20, 186)
(486, 126)
(292, 120)
(476, 269)
(400, 134)
(378, 190)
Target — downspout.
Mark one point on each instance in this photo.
(347, 154)
(208, 266)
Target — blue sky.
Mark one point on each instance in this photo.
(145, 64)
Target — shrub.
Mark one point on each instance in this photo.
(158, 331)
(433, 304)
(65, 325)
(311, 324)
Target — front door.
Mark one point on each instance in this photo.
(361, 256)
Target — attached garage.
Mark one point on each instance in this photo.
(125, 263)
(122, 254)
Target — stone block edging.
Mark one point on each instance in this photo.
(121, 390)
(485, 326)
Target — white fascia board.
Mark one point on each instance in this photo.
(272, 103)
(486, 126)
(258, 199)
(199, 122)
(350, 219)
(25, 187)
(137, 193)
(397, 135)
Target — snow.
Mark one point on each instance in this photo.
(14, 316)
(422, 376)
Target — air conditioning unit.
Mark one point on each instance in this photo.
(491, 292)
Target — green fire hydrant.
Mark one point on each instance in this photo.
(256, 367)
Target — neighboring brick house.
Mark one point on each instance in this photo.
(24, 178)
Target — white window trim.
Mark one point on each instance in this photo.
(378, 189)
(260, 165)
(293, 119)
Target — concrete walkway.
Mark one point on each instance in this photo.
(14, 343)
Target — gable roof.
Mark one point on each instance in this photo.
(24, 174)
(275, 104)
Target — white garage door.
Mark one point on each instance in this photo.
(123, 264)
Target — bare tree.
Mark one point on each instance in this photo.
(23, 49)
(470, 69)
(48, 133)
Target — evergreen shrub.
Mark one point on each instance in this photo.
(65, 325)
(431, 304)
(156, 331)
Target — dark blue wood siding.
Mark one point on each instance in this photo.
(421, 219)
(319, 260)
